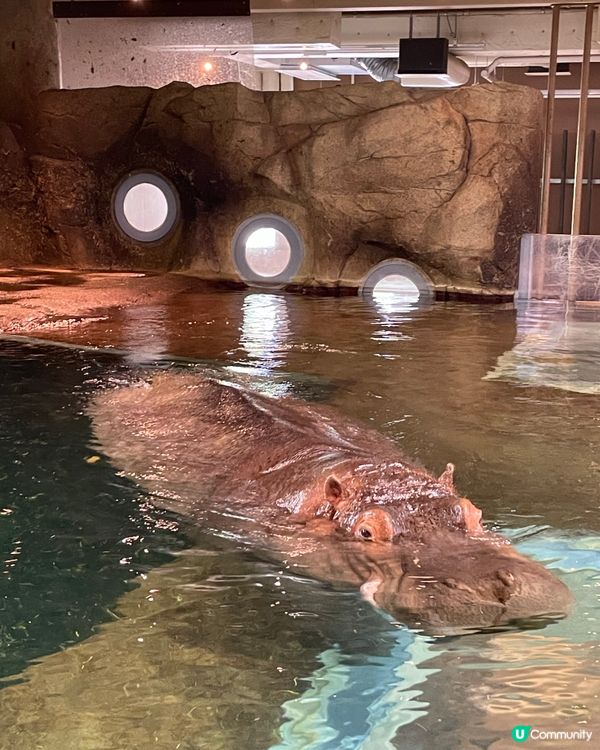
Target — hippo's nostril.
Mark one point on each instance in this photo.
(508, 585)
(506, 577)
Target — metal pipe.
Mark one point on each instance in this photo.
(590, 180)
(563, 179)
(572, 273)
(572, 93)
(383, 7)
(582, 121)
(517, 61)
(549, 130)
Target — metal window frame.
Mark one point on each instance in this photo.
(173, 206)
(399, 267)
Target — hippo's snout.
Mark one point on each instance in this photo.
(531, 590)
(469, 584)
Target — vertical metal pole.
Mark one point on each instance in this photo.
(590, 180)
(550, 101)
(563, 180)
(582, 121)
(573, 279)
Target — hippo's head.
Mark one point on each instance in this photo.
(388, 502)
(418, 551)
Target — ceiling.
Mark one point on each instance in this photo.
(320, 40)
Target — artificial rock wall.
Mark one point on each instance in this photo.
(448, 180)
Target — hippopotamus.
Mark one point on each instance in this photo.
(329, 497)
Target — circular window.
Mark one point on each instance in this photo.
(146, 206)
(393, 286)
(398, 281)
(268, 252)
(267, 249)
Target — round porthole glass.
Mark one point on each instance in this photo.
(397, 282)
(268, 252)
(394, 287)
(146, 206)
(267, 249)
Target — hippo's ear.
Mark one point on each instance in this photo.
(447, 478)
(471, 516)
(333, 489)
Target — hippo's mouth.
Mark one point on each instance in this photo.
(467, 614)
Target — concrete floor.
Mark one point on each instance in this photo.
(39, 300)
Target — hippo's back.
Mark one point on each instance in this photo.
(188, 439)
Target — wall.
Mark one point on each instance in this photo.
(448, 180)
(28, 56)
(565, 118)
(25, 235)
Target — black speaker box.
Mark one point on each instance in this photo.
(422, 56)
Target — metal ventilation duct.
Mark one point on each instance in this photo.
(386, 69)
(379, 68)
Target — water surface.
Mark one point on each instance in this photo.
(117, 631)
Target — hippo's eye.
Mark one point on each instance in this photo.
(374, 525)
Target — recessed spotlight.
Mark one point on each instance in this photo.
(208, 67)
(303, 65)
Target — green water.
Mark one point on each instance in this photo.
(116, 631)
(71, 534)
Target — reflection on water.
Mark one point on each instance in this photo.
(144, 334)
(556, 346)
(112, 637)
(183, 664)
(328, 716)
(265, 329)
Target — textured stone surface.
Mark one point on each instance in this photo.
(24, 235)
(448, 180)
